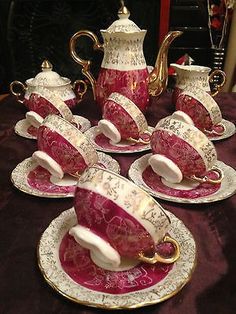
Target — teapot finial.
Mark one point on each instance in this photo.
(123, 11)
(46, 66)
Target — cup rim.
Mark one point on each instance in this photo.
(133, 184)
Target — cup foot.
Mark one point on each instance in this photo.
(103, 254)
(109, 130)
(67, 180)
(165, 168)
(45, 161)
(125, 263)
(182, 116)
(34, 119)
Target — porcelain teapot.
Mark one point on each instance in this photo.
(70, 94)
(123, 67)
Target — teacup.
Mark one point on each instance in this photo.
(123, 120)
(119, 222)
(180, 150)
(44, 102)
(202, 109)
(62, 148)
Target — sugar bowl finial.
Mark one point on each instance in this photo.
(46, 66)
(123, 11)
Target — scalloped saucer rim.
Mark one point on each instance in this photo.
(56, 277)
(93, 131)
(21, 127)
(230, 130)
(20, 173)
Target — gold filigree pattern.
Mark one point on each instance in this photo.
(19, 176)
(129, 197)
(207, 101)
(227, 188)
(192, 136)
(76, 138)
(131, 109)
(123, 52)
(53, 273)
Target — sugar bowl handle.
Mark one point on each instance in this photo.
(22, 87)
(80, 88)
(217, 87)
(85, 63)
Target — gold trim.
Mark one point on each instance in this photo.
(94, 131)
(135, 174)
(101, 305)
(19, 176)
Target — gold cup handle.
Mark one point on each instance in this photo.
(205, 179)
(140, 140)
(221, 84)
(82, 89)
(18, 94)
(85, 63)
(213, 132)
(156, 258)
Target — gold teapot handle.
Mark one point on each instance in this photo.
(221, 84)
(156, 258)
(85, 63)
(18, 94)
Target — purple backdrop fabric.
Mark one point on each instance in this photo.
(23, 218)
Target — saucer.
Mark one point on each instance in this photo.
(139, 286)
(24, 129)
(229, 131)
(32, 179)
(102, 143)
(143, 175)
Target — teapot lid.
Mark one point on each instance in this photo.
(124, 24)
(48, 77)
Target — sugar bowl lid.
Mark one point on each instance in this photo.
(123, 24)
(48, 77)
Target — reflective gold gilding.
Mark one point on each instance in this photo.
(156, 258)
(221, 84)
(49, 265)
(85, 63)
(158, 78)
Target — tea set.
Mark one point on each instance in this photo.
(117, 247)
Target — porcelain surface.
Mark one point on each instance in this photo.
(143, 176)
(93, 286)
(32, 179)
(102, 143)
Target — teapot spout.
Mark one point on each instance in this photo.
(158, 78)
